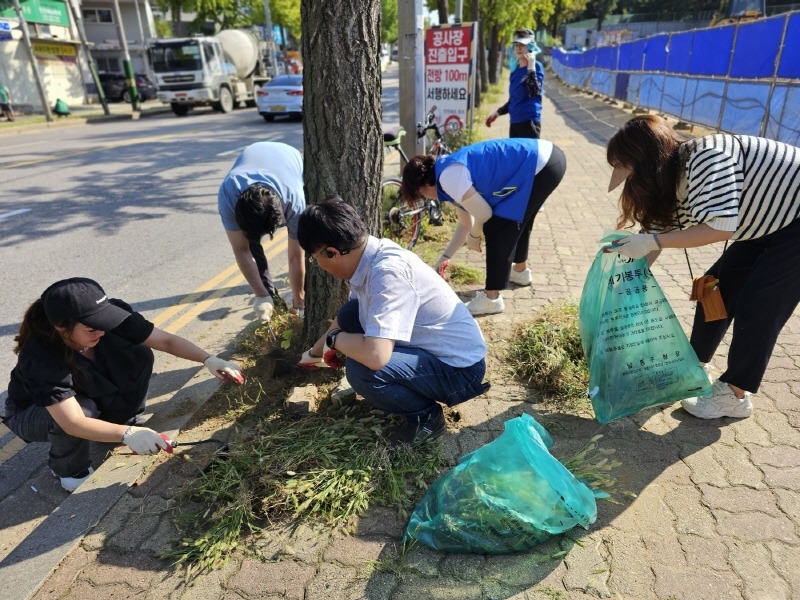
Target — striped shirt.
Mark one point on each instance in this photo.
(751, 188)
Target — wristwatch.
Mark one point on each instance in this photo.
(330, 339)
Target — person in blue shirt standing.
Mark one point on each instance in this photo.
(262, 192)
(498, 187)
(524, 107)
(525, 87)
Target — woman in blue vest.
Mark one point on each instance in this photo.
(498, 186)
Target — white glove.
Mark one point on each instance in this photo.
(634, 246)
(223, 369)
(439, 262)
(313, 362)
(142, 440)
(491, 118)
(264, 306)
(474, 243)
(530, 57)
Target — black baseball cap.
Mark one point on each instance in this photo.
(83, 300)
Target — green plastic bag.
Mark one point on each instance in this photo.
(505, 497)
(637, 351)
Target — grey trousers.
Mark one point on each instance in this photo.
(69, 455)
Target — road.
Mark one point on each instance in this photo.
(132, 204)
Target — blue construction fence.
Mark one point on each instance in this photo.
(742, 78)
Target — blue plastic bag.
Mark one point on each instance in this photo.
(505, 497)
(637, 351)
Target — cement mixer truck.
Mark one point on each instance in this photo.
(220, 71)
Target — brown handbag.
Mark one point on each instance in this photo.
(705, 290)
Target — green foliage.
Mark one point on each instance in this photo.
(389, 21)
(547, 353)
(163, 28)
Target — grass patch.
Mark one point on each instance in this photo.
(325, 468)
(546, 353)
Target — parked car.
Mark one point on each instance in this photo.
(281, 96)
(116, 88)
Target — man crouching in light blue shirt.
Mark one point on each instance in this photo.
(410, 342)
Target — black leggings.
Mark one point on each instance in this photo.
(760, 285)
(504, 243)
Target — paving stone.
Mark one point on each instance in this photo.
(782, 477)
(356, 551)
(286, 577)
(776, 456)
(705, 552)
(381, 521)
(695, 584)
(521, 570)
(690, 515)
(706, 469)
(210, 585)
(330, 582)
(786, 560)
(740, 499)
(752, 563)
(778, 428)
(465, 567)
(587, 570)
(302, 400)
(136, 569)
(414, 587)
(422, 561)
(789, 504)
(735, 459)
(65, 574)
(755, 526)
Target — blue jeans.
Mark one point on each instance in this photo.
(414, 380)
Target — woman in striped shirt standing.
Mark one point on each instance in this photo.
(717, 188)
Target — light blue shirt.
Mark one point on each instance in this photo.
(274, 164)
(402, 299)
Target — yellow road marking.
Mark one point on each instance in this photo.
(207, 302)
(51, 157)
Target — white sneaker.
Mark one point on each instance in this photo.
(522, 278)
(481, 304)
(71, 483)
(721, 403)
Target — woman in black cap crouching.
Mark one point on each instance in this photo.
(83, 369)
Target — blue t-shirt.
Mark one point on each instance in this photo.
(402, 299)
(274, 164)
(522, 106)
(502, 172)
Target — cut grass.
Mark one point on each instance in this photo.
(546, 354)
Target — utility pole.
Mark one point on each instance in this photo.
(76, 16)
(126, 59)
(410, 26)
(459, 11)
(34, 65)
(272, 58)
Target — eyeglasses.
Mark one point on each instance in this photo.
(312, 257)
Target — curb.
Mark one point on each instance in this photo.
(28, 566)
(78, 120)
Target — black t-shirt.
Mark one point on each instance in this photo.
(116, 379)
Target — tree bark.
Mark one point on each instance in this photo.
(441, 5)
(494, 53)
(475, 16)
(342, 135)
(481, 45)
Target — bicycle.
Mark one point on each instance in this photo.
(401, 220)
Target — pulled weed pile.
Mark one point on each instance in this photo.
(325, 469)
(547, 353)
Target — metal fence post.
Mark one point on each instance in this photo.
(727, 79)
(765, 120)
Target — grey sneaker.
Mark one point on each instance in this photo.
(481, 304)
(721, 403)
(523, 278)
(71, 483)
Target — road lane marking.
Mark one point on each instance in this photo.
(52, 157)
(13, 213)
(274, 247)
(207, 302)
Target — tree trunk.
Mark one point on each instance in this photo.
(342, 136)
(481, 46)
(494, 53)
(441, 5)
(475, 16)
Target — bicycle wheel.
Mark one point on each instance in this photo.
(400, 221)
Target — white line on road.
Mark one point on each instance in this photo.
(14, 213)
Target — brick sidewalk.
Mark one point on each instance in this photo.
(712, 507)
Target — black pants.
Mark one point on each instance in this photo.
(524, 129)
(257, 250)
(504, 243)
(760, 285)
